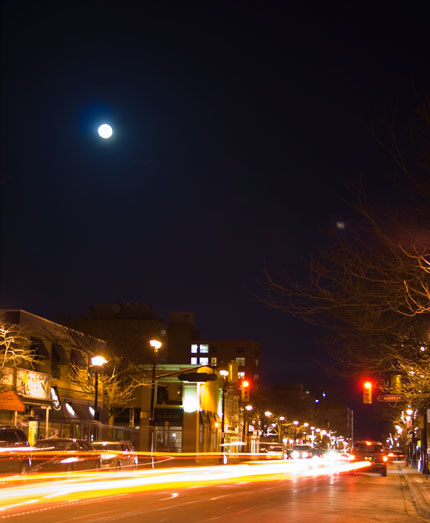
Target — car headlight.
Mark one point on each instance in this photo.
(295, 454)
(305, 454)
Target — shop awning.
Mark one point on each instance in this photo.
(9, 400)
(73, 410)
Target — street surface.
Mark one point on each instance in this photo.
(271, 491)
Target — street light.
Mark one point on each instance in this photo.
(247, 410)
(97, 362)
(224, 374)
(156, 345)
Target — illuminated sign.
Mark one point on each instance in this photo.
(32, 384)
(55, 399)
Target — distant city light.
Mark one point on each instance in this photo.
(105, 131)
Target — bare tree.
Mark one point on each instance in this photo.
(117, 383)
(15, 350)
(369, 285)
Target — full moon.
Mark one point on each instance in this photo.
(105, 131)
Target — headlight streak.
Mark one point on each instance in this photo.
(96, 484)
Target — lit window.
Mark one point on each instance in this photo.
(204, 349)
(240, 362)
(194, 348)
(213, 361)
(241, 375)
(256, 377)
(256, 362)
(204, 361)
(193, 361)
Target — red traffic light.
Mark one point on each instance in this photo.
(244, 390)
(367, 392)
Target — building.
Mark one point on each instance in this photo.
(127, 329)
(219, 353)
(186, 409)
(47, 401)
(185, 345)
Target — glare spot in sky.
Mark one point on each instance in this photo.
(105, 131)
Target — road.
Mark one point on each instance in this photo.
(214, 494)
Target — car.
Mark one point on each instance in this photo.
(15, 451)
(273, 450)
(396, 455)
(302, 451)
(116, 455)
(64, 455)
(372, 451)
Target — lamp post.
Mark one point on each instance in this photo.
(224, 374)
(97, 362)
(156, 345)
(248, 409)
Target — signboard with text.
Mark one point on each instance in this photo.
(390, 398)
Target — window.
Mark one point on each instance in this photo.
(193, 361)
(240, 362)
(256, 377)
(240, 350)
(204, 361)
(77, 359)
(204, 349)
(194, 348)
(39, 348)
(213, 360)
(256, 362)
(241, 375)
(58, 358)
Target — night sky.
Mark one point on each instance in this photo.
(236, 128)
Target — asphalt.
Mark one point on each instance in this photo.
(419, 486)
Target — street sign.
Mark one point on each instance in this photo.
(197, 377)
(391, 398)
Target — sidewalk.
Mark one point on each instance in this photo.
(419, 485)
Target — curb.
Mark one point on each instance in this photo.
(423, 507)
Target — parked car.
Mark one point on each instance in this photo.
(116, 455)
(396, 455)
(372, 451)
(64, 454)
(15, 451)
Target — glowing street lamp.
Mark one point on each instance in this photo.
(97, 362)
(224, 374)
(156, 345)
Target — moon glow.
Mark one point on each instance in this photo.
(105, 131)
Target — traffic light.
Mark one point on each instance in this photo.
(244, 390)
(367, 392)
(396, 384)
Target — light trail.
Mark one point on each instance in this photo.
(71, 487)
